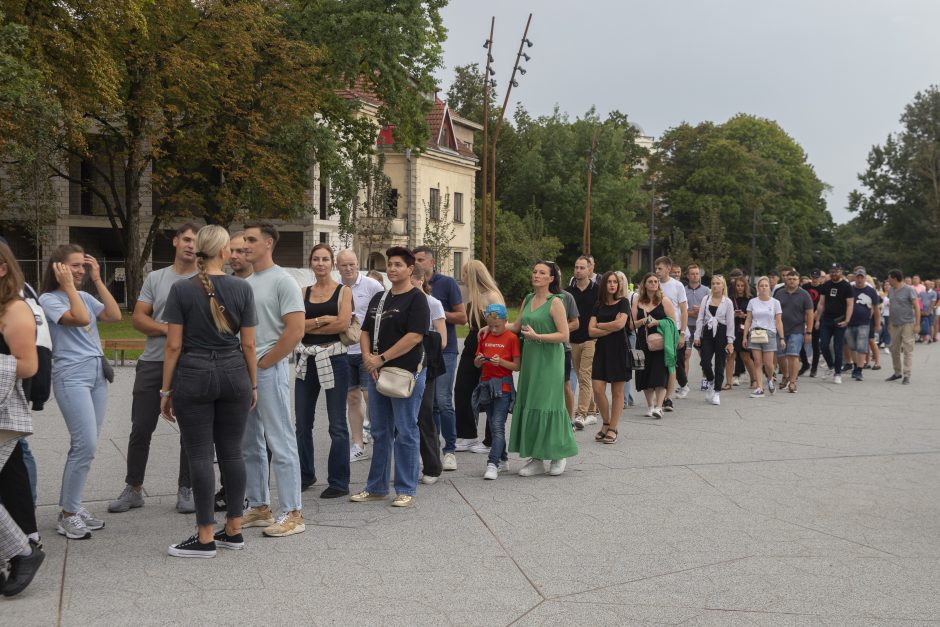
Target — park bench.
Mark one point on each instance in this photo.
(122, 346)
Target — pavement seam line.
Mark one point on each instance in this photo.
(65, 563)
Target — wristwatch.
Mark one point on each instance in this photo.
(382, 357)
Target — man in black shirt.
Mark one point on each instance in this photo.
(811, 353)
(584, 291)
(833, 313)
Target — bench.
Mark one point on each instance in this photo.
(122, 346)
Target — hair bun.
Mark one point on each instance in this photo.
(202, 255)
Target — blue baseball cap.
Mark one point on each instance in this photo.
(498, 310)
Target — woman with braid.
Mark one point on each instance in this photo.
(209, 385)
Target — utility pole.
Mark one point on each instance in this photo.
(486, 124)
(499, 125)
(753, 242)
(586, 239)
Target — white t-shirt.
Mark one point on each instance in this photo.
(437, 310)
(763, 313)
(675, 291)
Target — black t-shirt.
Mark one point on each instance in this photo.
(188, 305)
(813, 291)
(836, 295)
(402, 314)
(585, 300)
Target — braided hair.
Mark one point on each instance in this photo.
(210, 241)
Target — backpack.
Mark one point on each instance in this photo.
(38, 388)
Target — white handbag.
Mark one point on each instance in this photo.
(392, 382)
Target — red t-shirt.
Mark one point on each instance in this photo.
(506, 345)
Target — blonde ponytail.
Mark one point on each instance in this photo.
(210, 241)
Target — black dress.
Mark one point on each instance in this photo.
(655, 374)
(466, 380)
(610, 351)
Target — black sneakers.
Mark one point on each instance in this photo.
(22, 570)
(667, 404)
(893, 377)
(222, 539)
(192, 548)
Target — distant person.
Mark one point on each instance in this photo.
(655, 316)
(714, 335)
(695, 293)
(763, 335)
(832, 317)
(810, 354)
(905, 320)
(608, 321)
(584, 290)
(433, 343)
(237, 262)
(797, 311)
(674, 290)
(866, 317)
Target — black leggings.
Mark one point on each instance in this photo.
(430, 445)
(15, 492)
(211, 398)
(714, 348)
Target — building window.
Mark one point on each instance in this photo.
(324, 205)
(391, 204)
(458, 207)
(87, 179)
(458, 265)
(435, 204)
(324, 237)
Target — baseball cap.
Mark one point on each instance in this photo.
(816, 274)
(835, 266)
(860, 271)
(773, 273)
(497, 310)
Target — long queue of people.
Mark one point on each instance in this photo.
(221, 350)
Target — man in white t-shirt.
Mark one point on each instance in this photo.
(675, 291)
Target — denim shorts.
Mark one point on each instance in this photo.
(358, 375)
(856, 338)
(794, 346)
(772, 345)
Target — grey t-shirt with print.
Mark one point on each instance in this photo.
(154, 292)
(903, 301)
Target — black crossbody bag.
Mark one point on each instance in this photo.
(636, 359)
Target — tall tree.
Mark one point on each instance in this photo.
(712, 244)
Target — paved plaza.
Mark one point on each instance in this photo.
(819, 507)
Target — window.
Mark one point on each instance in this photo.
(458, 207)
(458, 265)
(324, 205)
(391, 204)
(435, 204)
(324, 237)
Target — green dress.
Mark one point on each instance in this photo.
(540, 425)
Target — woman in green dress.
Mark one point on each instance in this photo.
(541, 428)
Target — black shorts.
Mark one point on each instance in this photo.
(567, 365)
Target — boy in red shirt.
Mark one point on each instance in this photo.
(499, 355)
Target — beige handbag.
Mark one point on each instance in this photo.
(392, 382)
(758, 336)
(352, 333)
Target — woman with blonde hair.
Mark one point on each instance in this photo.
(714, 337)
(209, 385)
(482, 292)
(649, 310)
(763, 335)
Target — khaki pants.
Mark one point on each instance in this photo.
(582, 360)
(902, 341)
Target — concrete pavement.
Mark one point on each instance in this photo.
(818, 507)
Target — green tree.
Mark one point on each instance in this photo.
(679, 249)
(440, 231)
(712, 245)
(783, 248)
(900, 195)
(520, 242)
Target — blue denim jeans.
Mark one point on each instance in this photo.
(82, 394)
(444, 416)
(306, 392)
(829, 330)
(358, 376)
(497, 410)
(30, 462)
(395, 424)
(269, 423)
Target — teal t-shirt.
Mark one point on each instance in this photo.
(276, 295)
(71, 345)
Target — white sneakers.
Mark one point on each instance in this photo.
(837, 379)
(464, 444)
(590, 419)
(479, 447)
(557, 467)
(714, 400)
(534, 467)
(658, 413)
(682, 392)
(492, 471)
(428, 480)
(649, 412)
(449, 461)
(356, 453)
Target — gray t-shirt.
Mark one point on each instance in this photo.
(155, 291)
(276, 295)
(903, 301)
(695, 297)
(794, 308)
(571, 311)
(187, 304)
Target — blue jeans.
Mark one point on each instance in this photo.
(395, 423)
(829, 330)
(357, 373)
(82, 394)
(269, 422)
(885, 337)
(497, 410)
(444, 416)
(306, 392)
(30, 462)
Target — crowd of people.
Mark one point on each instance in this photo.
(227, 329)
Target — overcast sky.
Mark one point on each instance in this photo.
(835, 74)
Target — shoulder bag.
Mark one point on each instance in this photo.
(636, 359)
(392, 382)
(758, 336)
(352, 333)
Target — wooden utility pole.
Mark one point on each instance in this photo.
(486, 124)
(499, 125)
(586, 240)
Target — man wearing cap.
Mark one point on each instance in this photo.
(866, 311)
(810, 352)
(832, 317)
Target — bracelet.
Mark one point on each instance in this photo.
(166, 393)
(254, 387)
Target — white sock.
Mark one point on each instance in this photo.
(27, 550)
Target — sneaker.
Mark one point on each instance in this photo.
(534, 467)
(23, 569)
(287, 525)
(804, 369)
(464, 444)
(479, 447)
(260, 516)
(184, 501)
(590, 419)
(715, 400)
(72, 527)
(658, 413)
(129, 499)
(682, 392)
(709, 393)
(429, 480)
(876, 367)
(772, 385)
(492, 471)
(847, 367)
(667, 404)
(649, 412)
(704, 385)
(192, 548)
(866, 367)
(837, 379)
(736, 381)
(403, 500)
(356, 453)
(234, 543)
(366, 497)
(757, 393)
(578, 422)
(857, 374)
(557, 467)
(812, 374)
(449, 461)
(906, 380)
(894, 377)
(791, 387)
(92, 523)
